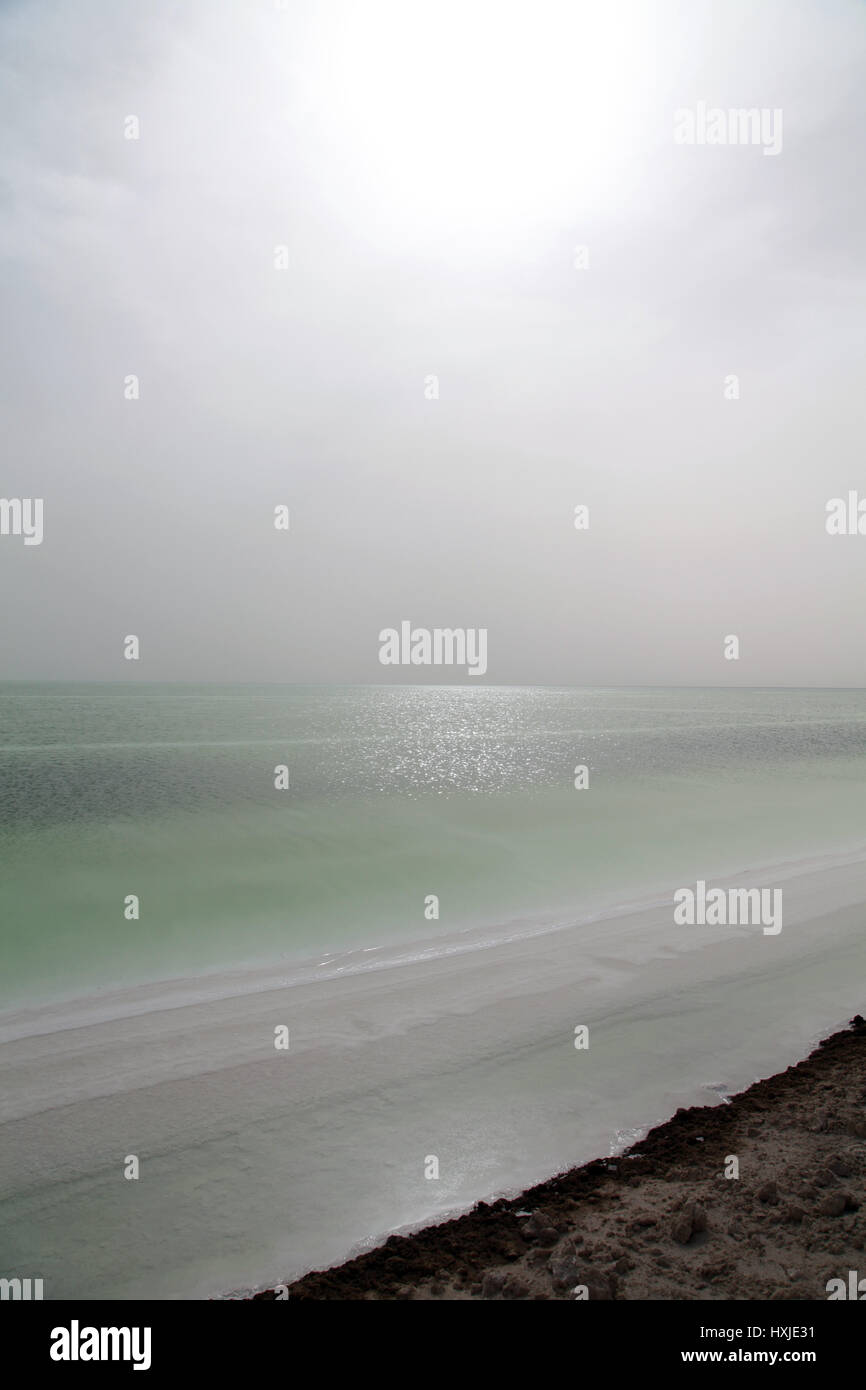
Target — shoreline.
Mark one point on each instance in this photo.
(36, 1016)
(263, 1165)
(663, 1220)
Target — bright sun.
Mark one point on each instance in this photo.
(465, 117)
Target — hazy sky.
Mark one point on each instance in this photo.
(431, 169)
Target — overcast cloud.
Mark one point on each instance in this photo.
(431, 172)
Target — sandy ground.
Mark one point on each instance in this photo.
(663, 1221)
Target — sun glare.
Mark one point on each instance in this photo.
(465, 118)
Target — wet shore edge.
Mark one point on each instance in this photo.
(759, 1197)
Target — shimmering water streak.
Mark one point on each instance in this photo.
(395, 793)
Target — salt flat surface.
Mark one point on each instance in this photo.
(257, 1165)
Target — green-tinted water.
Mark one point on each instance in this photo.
(394, 794)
